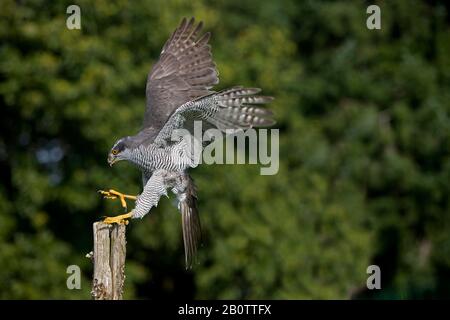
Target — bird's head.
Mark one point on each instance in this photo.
(120, 151)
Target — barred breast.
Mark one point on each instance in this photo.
(177, 157)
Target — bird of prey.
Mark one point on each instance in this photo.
(178, 92)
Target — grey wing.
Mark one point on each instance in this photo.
(185, 71)
(232, 109)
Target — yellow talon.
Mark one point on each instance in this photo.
(120, 219)
(113, 194)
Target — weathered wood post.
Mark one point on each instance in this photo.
(108, 257)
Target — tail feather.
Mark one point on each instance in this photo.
(190, 223)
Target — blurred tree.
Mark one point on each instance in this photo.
(364, 149)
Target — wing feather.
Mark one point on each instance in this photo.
(184, 71)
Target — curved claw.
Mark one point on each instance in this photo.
(113, 194)
(107, 194)
(120, 219)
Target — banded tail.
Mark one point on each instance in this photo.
(190, 221)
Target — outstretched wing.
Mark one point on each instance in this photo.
(235, 108)
(185, 71)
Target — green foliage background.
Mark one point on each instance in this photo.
(364, 149)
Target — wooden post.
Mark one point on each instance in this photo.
(109, 261)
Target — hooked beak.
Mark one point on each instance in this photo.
(112, 159)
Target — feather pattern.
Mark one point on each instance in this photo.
(153, 190)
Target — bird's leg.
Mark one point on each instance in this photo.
(120, 219)
(113, 194)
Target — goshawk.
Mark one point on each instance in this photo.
(178, 93)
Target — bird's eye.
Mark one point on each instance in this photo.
(115, 152)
